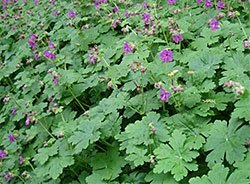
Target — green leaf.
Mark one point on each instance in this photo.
(176, 157)
(86, 134)
(54, 167)
(94, 178)
(44, 154)
(137, 137)
(107, 165)
(160, 178)
(242, 107)
(191, 97)
(219, 175)
(227, 140)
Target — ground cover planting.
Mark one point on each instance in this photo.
(125, 91)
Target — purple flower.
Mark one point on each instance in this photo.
(49, 55)
(164, 96)
(11, 138)
(246, 44)
(27, 122)
(91, 59)
(35, 56)
(126, 14)
(21, 160)
(36, 2)
(33, 37)
(145, 4)
(220, 5)
(114, 24)
(171, 2)
(52, 2)
(55, 12)
(51, 45)
(3, 154)
(99, 2)
(146, 17)
(214, 24)
(127, 48)
(72, 14)
(32, 41)
(116, 9)
(55, 79)
(8, 176)
(4, 4)
(208, 3)
(13, 111)
(199, 1)
(177, 38)
(166, 55)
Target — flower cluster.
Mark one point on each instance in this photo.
(49, 54)
(32, 41)
(137, 66)
(236, 87)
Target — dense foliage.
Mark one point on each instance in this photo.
(125, 91)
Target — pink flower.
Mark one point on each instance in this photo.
(3, 154)
(166, 55)
(199, 1)
(55, 79)
(208, 3)
(55, 12)
(21, 160)
(35, 56)
(51, 45)
(171, 2)
(127, 48)
(11, 138)
(220, 5)
(146, 17)
(13, 111)
(27, 122)
(177, 38)
(49, 55)
(116, 9)
(214, 24)
(145, 4)
(72, 14)
(164, 96)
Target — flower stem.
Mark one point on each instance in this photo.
(46, 129)
(77, 100)
(244, 31)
